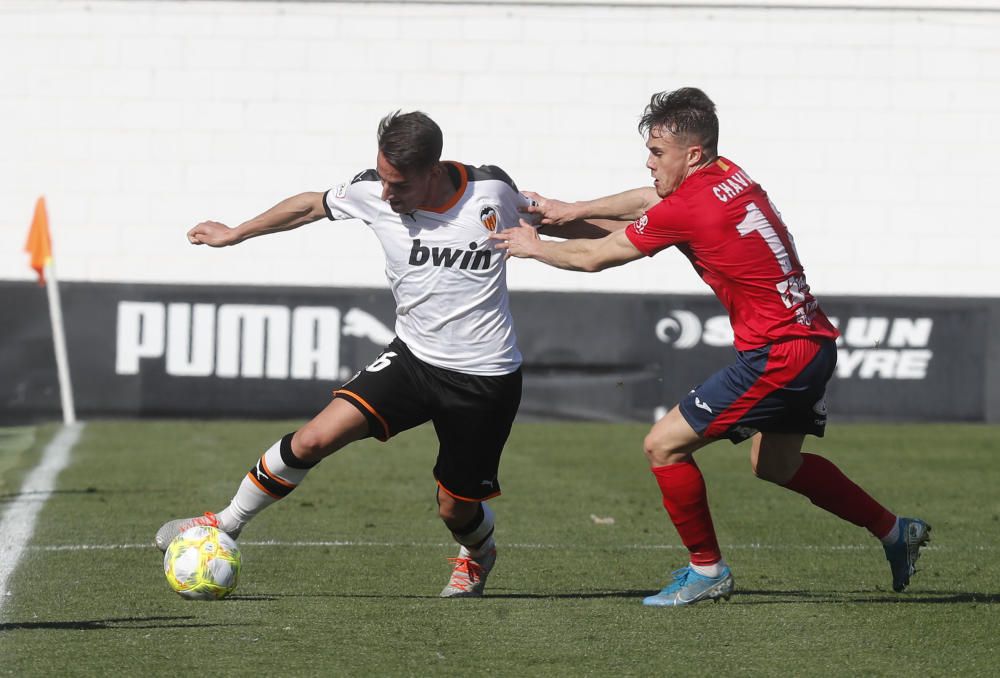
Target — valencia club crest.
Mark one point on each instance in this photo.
(488, 215)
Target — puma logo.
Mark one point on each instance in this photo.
(358, 323)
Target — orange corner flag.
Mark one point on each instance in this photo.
(39, 244)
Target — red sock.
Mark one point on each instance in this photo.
(826, 486)
(686, 501)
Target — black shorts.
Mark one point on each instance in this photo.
(472, 414)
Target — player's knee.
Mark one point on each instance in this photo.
(455, 513)
(652, 450)
(762, 469)
(777, 470)
(446, 510)
(309, 444)
(660, 452)
(758, 470)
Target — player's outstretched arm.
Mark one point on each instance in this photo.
(573, 255)
(583, 228)
(625, 206)
(290, 213)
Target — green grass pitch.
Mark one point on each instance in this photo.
(342, 577)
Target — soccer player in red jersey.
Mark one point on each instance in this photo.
(725, 224)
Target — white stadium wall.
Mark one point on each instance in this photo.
(874, 129)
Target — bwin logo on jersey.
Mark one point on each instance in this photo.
(450, 258)
(488, 215)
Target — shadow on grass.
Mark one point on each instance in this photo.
(580, 595)
(861, 597)
(254, 597)
(492, 595)
(13, 496)
(740, 596)
(113, 623)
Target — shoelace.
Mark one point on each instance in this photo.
(207, 520)
(680, 577)
(472, 570)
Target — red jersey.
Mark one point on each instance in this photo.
(724, 223)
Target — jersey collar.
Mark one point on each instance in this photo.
(463, 182)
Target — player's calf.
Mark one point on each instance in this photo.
(273, 477)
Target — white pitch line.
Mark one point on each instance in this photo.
(570, 547)
(18, 523)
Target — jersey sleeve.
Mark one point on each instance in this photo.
(500, 195)
(513, 209)
(663, 225)
(359, 198)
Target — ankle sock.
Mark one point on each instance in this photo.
(273, 477)
(713, 570)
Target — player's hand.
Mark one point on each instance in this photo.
(520, 241)
(548, 211)
(211, 233)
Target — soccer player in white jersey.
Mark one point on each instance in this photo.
(454, 360)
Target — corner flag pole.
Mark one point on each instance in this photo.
(39, 245)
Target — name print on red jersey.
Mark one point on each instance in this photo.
(732, 186)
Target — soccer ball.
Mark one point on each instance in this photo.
(202, 563)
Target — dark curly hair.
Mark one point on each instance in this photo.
(410, 140)
(687, 113)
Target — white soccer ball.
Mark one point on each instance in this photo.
(202, 563)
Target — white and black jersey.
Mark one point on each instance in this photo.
(448, 280)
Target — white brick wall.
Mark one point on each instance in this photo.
(874, 131)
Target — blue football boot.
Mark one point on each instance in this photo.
(902, 554)
(688, 587)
